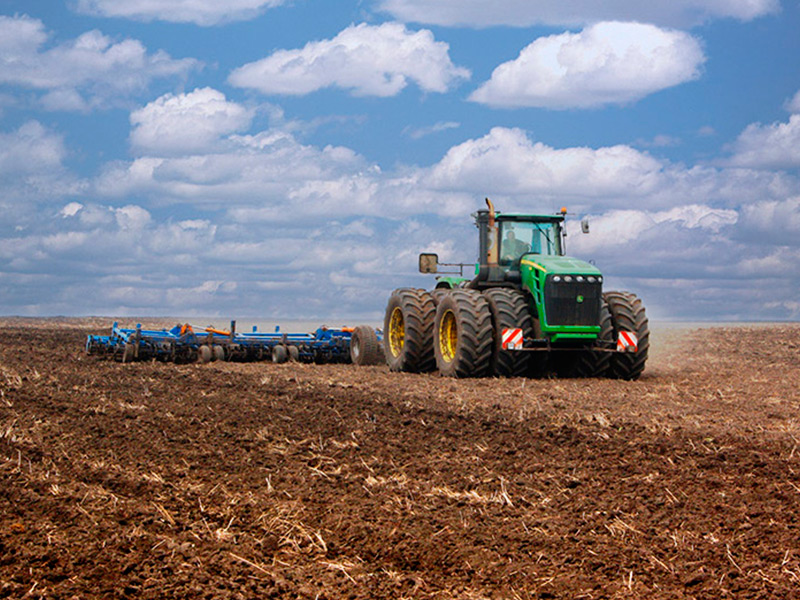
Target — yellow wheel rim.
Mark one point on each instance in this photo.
(448, 336)
(397, 332)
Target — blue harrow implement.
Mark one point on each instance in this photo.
(184, 343)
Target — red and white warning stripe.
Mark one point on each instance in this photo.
(512, 339)
(627, 342)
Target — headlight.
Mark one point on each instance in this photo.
(579, 279)
(591, 279)
(557, 278)
(599, 280)
(568, 278)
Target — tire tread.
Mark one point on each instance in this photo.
(418, 310)
(476, 334)
(509, 308)
(628, 314)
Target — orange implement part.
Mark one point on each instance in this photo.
(186, 329)
(217, 331)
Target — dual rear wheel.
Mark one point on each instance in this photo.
(462, 334)
(408, 331)
(459, 332)
(455, 331)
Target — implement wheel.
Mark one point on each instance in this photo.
(280, 354)
(408, 331)
(510, 310)
(463, 337)
(627, 314)
(205, 354)
(365, 349)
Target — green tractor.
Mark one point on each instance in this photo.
(529, 310)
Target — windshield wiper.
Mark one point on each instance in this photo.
(546, 235)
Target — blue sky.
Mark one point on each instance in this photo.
(290, 158)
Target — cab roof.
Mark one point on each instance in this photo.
(529, 218)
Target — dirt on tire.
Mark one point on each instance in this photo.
(262, 480)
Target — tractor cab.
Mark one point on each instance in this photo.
(504, 240)
(527, 301)
(508, 242)
(524, 234)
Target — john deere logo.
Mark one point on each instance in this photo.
(579, 299)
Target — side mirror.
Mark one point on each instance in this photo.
(585, 225)
(428, 263)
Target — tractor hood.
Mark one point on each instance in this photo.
(562, 265)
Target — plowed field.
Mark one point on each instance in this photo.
(227, 480)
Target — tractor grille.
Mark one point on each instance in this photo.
(563, 306)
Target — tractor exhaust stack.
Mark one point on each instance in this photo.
(493, 250)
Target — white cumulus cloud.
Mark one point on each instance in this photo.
(696, 216)
(132, 217)
(525, 13)
(793, 105)
(261, 169)
(417, 133)
(506, 161)
(658, 228)
(775, 146)
(88, 71)
(772, 222)
(508, 164)
(370, 60)
(617, 228)
(71, 209)
(607, 63)
(32, 171)
(184, 123)
(31, 149)
(199, 12)
(256, 177)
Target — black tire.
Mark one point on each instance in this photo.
(365, 349)
(596, 364)
(463, 336)
(280, 354)
(510, 310)
(627, 314)
(204, 354)
(438, 294)
(408, 331)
